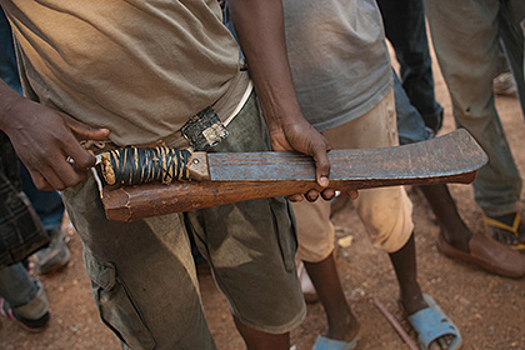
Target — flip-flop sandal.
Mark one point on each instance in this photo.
(431, 323)
(495, 225)
(324, 343)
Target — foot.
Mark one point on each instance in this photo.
(435, 331)
(347, 331)
(33, 326)
(53, 258)
(324, 343)
(416, 303)
(508, 229)
(453, 229)
(33, 316)
(504, 85)
(458, 241)
(487, 253)
(434, 121)
(342, 323)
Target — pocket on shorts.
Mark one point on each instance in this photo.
(286, 232)
(115, 305)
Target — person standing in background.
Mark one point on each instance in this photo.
(467, 36)
(47, 204)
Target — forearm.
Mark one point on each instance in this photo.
(8, 97)
(260, 27)
(44, 138)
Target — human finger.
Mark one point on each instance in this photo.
(328, 194)
(353, 194)
(322, 164)
(296, 198)
(68, 174)
(83, 130)
(80, 157)
(39, 181)
(52, 179)
(312, 195)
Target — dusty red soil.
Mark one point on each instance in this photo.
(489, 310)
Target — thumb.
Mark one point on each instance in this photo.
(322, 165)
(85, 131)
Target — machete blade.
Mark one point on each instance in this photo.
(448, 155)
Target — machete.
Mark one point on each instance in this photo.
(233, 177)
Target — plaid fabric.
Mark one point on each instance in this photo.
(21, 232)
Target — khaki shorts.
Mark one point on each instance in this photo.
(385, 212)
(144, 280)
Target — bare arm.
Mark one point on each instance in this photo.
(260, 27)
(43, 138)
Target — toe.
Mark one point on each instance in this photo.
(435, 346)
(442, 343)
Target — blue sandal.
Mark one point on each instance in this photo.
(324, 343)
(431, 323)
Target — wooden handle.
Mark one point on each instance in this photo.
(235, 177)
(134, 202)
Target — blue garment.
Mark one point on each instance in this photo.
(405, 28)
(48, 204)
(8, 65)
(17, 287)
(24, 295)
(410, 125)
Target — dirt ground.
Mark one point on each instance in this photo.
(489, 310)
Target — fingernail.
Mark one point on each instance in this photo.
(323, 181)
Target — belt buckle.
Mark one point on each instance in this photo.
(204, 130)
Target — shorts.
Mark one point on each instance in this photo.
(385, 212)
(144, 279)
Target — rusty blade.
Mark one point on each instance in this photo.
(452, 154)
(235, 177)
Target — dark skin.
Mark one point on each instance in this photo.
(257, 340)
(43, 138)
(55, 132)
(269, 68)
(404, 262)
(453, 228)
(260, 28)
(342, 323)
(29, 124)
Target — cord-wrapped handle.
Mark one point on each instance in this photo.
(135, 165)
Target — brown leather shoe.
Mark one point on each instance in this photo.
(488, 254)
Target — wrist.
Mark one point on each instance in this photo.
(280, 116)
(8, 101)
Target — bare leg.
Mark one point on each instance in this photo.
(258, 340)
(404, 262)
(454, 230)
(342, 324)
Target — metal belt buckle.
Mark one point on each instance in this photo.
(204, 130)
